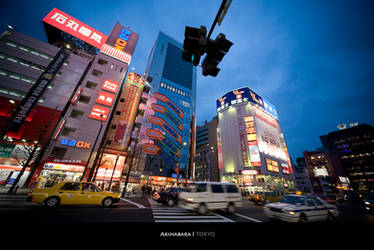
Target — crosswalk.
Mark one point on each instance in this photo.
(162, 214)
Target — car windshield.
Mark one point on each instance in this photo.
(294, 200)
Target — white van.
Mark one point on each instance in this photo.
(204, 196)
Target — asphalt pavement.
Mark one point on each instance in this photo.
(15, 208)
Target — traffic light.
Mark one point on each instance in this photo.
(216, 50)
(194, 44)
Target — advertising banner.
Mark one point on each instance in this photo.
(269, 135)
(37, 91)
(254, 154)
(110, 86)
(106, 99)
(97, 111)
(6, 149)
(239, 95)
(270, 108)
(109, 163)
(76, 28)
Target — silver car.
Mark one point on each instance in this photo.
(301, 208)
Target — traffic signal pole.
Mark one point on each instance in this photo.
(218, 16)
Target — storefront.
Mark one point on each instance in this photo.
(54, 173)
(9, 173)
(165, 182)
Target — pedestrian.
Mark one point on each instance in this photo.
(143, 190)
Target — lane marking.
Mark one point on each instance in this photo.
(134, 203)
(188, 221)
(223, 217)
(248, 218)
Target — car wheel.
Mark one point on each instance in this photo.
(303, 218)
(231, 208)
(107, 202)
(52, 202)
(171, 202)
(330, 217)
(202, 209)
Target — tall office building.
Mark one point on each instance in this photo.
(301, 176)
(251, 148)
(325, 171)
(206, 160)
(175, 79)
(355, 148)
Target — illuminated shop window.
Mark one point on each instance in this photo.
(272, 165)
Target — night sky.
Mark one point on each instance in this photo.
(314, 60)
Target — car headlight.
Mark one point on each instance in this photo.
(367, 203)
(291, 212)
(190, 199)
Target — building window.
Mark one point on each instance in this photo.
(58, 152)
(114, 126)
(118, 112)
(91, 85)
(122, 100)
(96, 72)
(76, 114)
(84, 99)
(102, 62)
(67, 131)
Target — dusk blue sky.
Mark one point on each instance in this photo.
(314, 60)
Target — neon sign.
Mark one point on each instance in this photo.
(122, 39)
(74, 143)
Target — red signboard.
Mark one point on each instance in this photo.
(110, 86)
(106, 99)
(76, 28)
(97, 111)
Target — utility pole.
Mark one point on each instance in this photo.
(129, 170)
(93, 148)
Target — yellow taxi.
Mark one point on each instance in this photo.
(73, 193)
(265, 197)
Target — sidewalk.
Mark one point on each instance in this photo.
(20, 191)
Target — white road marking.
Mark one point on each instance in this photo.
(134, 203)
(248, 218)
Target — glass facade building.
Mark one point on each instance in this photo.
(176, 79)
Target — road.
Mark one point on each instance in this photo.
(16, 209)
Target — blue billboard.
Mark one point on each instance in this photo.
(245, 94)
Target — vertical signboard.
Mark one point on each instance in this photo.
(131, 93)
(37, 91)
(254, 153)
(121, 43)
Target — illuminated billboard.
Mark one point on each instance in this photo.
(111, 167)
(243, 95)
(76, 28)
(254, 154)
(132, 92)
(121, 43)
(269, 136)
